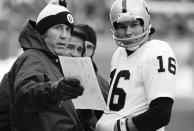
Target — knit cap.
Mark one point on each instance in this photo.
(78, 31)
(90, 32)
(53, 14)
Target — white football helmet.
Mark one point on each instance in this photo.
(126, 11)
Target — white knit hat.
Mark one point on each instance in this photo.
(53, 14)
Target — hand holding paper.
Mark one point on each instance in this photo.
(67, 88)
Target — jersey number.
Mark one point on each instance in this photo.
(171, 65)
(118, 95)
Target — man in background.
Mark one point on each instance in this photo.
(90, 47)
(76, 48)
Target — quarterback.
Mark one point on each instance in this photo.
(143, 73)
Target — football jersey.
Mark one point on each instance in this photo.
(137, 79)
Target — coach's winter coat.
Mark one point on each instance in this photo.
(32, 105)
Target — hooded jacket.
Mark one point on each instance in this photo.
(33, 107)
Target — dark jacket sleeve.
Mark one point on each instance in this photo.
(4, 104)
(88, 119)
(32, 86)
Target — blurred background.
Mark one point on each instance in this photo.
(172, 19)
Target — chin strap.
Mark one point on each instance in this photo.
(135, 45)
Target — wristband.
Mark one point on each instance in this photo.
(118, 125)
(126, 123)
(122, 124)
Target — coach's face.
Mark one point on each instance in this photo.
(57, 37)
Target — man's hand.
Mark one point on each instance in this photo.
(67, 88)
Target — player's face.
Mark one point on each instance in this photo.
(75, 47)
(129, 30)
(57, 37)
(89, 49)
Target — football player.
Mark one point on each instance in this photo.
(143, 73)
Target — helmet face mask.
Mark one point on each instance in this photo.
(126, 11)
